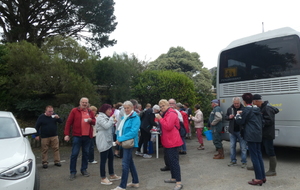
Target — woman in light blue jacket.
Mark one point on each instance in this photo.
(128, 129)
(104, 142)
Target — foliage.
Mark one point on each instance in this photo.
(50, 75)
(33, 21)
(179, 60)
(115, 75)
(151, 86)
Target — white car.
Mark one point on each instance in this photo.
(17, 161)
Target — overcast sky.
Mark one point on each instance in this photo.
(148, 28)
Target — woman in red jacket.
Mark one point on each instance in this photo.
(171, 140)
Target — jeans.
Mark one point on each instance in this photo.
(91, 150)
(84, 143)
(144, 139)
(127, 164)
(183, 147)
(233, 140)
(108, 154)
(269, 148)
(257, 161)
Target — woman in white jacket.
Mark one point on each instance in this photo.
(198, 122)
(104, 142)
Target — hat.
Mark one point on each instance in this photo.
(179, 105)
(216, 101)
(256, 97)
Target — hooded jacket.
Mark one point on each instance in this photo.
(268, 113)
(252, 123)
(170, 136)
(104, 138)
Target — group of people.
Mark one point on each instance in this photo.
(251, 124)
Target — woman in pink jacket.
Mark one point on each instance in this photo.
(171, 140)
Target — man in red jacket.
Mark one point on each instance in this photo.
(80, 120)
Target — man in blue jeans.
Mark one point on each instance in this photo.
(235, 133)
(80, 120)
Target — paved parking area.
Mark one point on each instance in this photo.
(198, 170)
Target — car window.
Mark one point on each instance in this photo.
(8, 128)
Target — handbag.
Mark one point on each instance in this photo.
(128, 143)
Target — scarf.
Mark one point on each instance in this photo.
(123, 122)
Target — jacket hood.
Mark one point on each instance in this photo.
(256, 110)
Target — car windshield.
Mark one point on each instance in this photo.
(8, 128)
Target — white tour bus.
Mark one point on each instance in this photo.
(267, 64)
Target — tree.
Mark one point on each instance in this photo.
(115, 75)
(38, 77)
(34, 20)
(151, 86)
(180, 60)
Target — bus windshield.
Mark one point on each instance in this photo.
(276, 57)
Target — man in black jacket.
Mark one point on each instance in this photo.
(268, 113)
(235, 134)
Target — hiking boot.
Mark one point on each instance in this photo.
(114, 178)
(133, 185)
(105, 181)
(231, 164)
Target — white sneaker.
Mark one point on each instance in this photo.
(118, 188)
(147, 156)
(105, 181)
(94, 162)
(133, 185)
(114, 178)
(138, 153)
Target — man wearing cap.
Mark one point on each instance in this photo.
(268, 136)
(215, 120)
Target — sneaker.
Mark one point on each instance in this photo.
(72, 176)
(85, 173)
(114, 178)
(244, 165)
(200, 148)
(93, 162)
(133, 185)
(45, 166)
(231, 164)
(139, 153)
(118, 188)
(105, 181)
(57, 164)
(250, 168)
(147, 156)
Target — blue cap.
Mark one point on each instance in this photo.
(216, 101)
